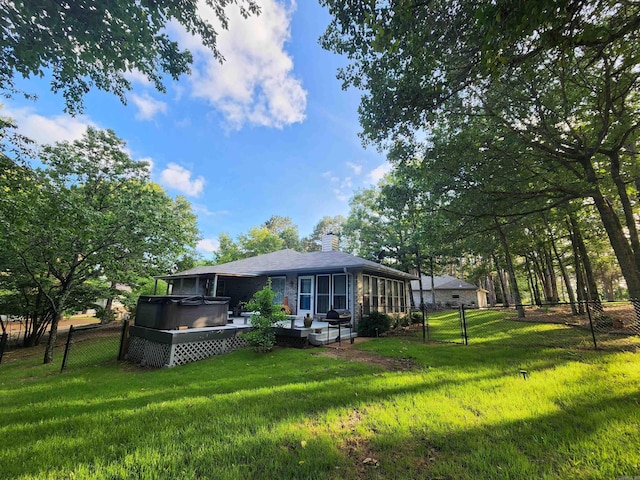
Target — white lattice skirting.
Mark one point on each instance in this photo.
(148, 353)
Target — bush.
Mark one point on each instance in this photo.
(416, 317)
(374, 324)
(400, 321)
(262, 336)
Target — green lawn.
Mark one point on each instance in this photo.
(462, 412)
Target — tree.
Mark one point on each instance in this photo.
(273, 235)
(88, 43)
(557, 80)
(228, 250)
(284, 228)
(259, 240)
(266, 316)
(327, 224)
(90, 213)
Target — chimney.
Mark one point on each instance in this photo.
(330, 242)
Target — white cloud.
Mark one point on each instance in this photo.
(208, 245)
(136, 76)
(47, 130)
(379, 172)
(179, 178)
(341, 187)
(199, 208)
(255, 84)
(357, 169)
(148, 107)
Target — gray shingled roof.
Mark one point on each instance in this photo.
(444, 282)
(292, 261)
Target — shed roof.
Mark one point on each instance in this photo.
(290, 261)
(444, 282)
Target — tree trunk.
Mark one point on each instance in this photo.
(565, 277)
(107, 315)
(619, 243)
(511, 271)
(551, 272)
(590, 284)
(503, 291)
(533, 286)
(492, 291)
(626, 207)
(53, 335)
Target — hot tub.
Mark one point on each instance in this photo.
(170, 312)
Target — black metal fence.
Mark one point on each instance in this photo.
(600, 325)
(94, 345)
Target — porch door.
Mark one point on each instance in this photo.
(305, 296)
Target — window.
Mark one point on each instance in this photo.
(277, 285)
(322, 293)
(383, 297)
(455, 296)
(396, 296)
(340, 291)
(366, 294)
(402, 298)
(185, 285)
(306, 293)
(390, 304)
(374, 293)
(221, 288)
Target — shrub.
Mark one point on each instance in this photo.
(376, 323)
(262, 336)
(399, 321)
(416, 317)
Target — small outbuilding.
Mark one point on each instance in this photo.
(448, 292)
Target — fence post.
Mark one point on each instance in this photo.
(3, 344)
(426, 316)
(66, 349)
(463, 315)
(593, 333)
(423, 310)
(123, 340)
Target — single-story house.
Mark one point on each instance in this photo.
(449, 291)
(313, 282)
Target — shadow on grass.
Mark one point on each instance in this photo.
(586, 439)
(501, 327)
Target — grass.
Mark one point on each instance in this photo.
(461, 413)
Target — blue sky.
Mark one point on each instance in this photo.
(270, 132)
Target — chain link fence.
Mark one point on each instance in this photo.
(94, 345)
(600, 325)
